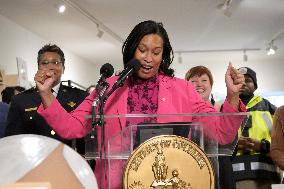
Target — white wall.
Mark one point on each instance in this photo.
(16, 41)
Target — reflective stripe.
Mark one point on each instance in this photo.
(267, 121)
(238, 167)
(254, 166)
(262, 166)
(254, 101)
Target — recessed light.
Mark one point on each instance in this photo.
(61, 8)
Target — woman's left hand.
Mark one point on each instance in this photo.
(234, 81)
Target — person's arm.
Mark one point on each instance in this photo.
(222, 128)
(234, 81)
(15, 122)
(272, 108)
(67, 125)
(277, 138)
(227, 126)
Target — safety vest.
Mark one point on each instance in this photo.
(257, 126)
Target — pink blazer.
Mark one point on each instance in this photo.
(176, 96)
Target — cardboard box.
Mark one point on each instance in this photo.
(27, 185)
(7, 80)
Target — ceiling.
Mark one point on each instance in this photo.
(193, 25)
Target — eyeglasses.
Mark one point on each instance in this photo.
(45, 62)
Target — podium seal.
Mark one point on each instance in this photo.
(168, 162)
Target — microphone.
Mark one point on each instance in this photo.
(100, 94)
(106, 71)
(131, 67)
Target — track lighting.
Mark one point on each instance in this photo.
(217, 50)
(245, 56)
(179, 58)
(271, 48)
(225, 7)
(100, 33)
(100, 25)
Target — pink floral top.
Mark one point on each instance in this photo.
(143, 99)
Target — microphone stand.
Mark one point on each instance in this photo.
(101, 118)
(103, 146)
(95, 121)
(98, 121)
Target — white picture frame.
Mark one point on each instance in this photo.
(22, 73)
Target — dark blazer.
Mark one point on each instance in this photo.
(24, 119)
(4, 108)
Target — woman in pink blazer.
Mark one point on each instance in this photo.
(152, 90)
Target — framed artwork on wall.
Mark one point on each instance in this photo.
(23, 73)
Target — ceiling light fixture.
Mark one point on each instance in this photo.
(218, 50)
(245, 56)
(225, 7)
(179, 58)
(100, 32)
(271, 48)
(103, 28)
(61, 9)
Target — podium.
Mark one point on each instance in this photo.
(198, 128)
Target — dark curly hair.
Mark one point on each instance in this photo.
(9, 92)
(50, 48)
(145, 28)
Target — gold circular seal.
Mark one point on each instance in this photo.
(168, 162)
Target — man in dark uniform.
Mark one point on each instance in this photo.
(23, 117)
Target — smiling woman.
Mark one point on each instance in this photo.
(202, 80)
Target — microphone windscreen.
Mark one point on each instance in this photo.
(135, 64)
(107, 69)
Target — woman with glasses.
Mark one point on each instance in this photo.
(23, 117)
